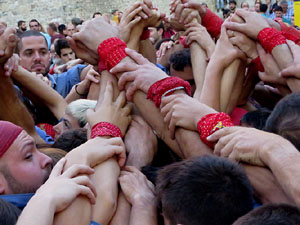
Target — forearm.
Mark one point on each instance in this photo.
(190, 144)
(266, 187)
(199, 64)
(210, 94)
(105, 180)
(41, 90)
(122, 214)
(236, 89)
(13, 109)
(147, 50)
(227, 83)
(283, 160)
(38, 211)
(144, 213)
(284, 58)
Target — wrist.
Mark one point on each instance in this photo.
(144, 201)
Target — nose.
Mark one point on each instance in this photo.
(58, 129)
(37, 57)
(45, 161)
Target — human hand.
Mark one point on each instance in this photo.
(164, 47)
(8, 43)
(140, 142)
(93, 32)
(142, 74)
(294, 69)
(136, 188)
(196, 32)
(254, 23)
(12, 65)
(245, 44)
(114, 112)
(43, 78)
(272, 71)
(183, 111)
(91, 77)
(63, 187)
(225, 53)
(244, 144)
(129, 19)
(83, 52)
(193, 4)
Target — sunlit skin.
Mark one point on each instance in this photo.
(34, 26)
(28, 167)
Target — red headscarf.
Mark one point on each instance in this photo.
(8, 133)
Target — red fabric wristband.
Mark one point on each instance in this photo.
(210, 123)
(258, 66)
(159, 88)
(269, 38)
(212, 22)
(182, 40)
(105, 129)
(145, 35)
(291, 37)
(111, 52)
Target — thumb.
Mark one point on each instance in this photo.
(290, 71)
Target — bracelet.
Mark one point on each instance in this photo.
(105, 129)
(269, 38)
(166, 87)
(111, 52)
(145, 35)
(211, 123)
(81, 95)
(291, 37)
(258, 66)
(212, 23)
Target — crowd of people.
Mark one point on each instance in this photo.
(138, 118)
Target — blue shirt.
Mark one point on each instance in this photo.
(64, 82)
(47, 138)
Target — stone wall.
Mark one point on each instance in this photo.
(64, 10)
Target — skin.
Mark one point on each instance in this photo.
(68, 123)
(28, 167)
(34, 26)
(34, 54)
(70, 29)
(67, 55)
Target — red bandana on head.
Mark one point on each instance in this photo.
(8, 133)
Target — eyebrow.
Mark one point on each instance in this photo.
(67, 121)
(27, 143)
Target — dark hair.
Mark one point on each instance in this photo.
(76, 21)
(232, 1)
(71, 139)
(20, 22)
(59, 45)
(9, 213)
(279, 214)
(97, 13)
(257, 118)
(180, 59)
(263, 8)
(29, 33)
(226, 11)
(61, 28)
(34, 20)
(278, 8)
(204, 190)
(151, 172)
(158, 44)
(284, 119)
(114, 11)
(53, 26)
